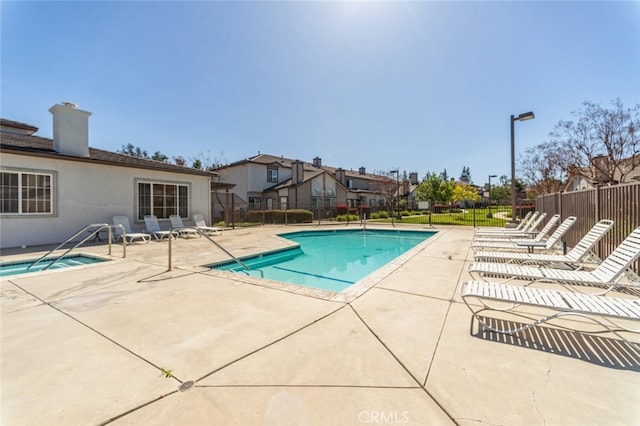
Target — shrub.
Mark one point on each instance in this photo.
(280, 216)
(405, 213)
(455, 210)
(347, 217)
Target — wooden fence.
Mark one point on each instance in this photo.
(620, 203)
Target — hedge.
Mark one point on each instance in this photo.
(280, 216)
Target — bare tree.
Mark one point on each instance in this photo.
(543, 168)
(385, 186)
(603, 145)
(203, 161)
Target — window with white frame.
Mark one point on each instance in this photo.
(26, 193)
(272, 174)
(162, 200)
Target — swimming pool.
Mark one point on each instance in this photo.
(20, 267)
(330, 260)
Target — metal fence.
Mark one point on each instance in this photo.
(234, 211)
(620, 203)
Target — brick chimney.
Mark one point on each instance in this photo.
(413, 178)
(70, 129)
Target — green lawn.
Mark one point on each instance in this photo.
(465, 219)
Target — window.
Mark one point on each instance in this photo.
(255, 203)
(350, 183)
(26, 193)
(272, 174)
(162, 200)
(322, 203)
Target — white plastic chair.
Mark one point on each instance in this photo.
(176, 222)
(153, 227)
(198, 219)
(129, 235)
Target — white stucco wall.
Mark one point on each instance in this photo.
(86, 193)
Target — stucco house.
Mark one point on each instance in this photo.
(275, 182)
(626, 171)
(52, 188)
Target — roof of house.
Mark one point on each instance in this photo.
(288, 183)
(268, 159)
(37, 146)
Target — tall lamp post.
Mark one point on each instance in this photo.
(522, 117)
(397, 173)
(489, 213)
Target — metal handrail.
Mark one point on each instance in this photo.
(99, 227)
(202, 233)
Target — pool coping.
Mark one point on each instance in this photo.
(347, 295)
(49, 271)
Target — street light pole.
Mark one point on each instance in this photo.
(490, 176)
(397, 173)
(522, 117)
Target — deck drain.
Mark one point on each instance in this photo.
(186, 385)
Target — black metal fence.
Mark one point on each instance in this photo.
(233, 211)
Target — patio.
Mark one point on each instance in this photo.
(89, 346)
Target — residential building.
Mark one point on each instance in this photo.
(275, 182)
(52, 188)
(588, 177)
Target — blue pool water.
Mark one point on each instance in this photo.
(16, 268)
(330, 260)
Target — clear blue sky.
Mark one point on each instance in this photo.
(420, 86)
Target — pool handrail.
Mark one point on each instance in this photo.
(99, 227)
(204, 234)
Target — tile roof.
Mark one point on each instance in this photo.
(287, 162)
(43, 147)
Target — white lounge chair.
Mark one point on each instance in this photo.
(198, 219)
(176, 222)
(520, 227)
(578, 255)
(529, 228)
(604, 310)
(153, 227)
(539, 235)
(129, 236)
(607, 273)
(528, 244)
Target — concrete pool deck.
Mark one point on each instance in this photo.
(89, 346)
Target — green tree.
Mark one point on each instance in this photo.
(134, 151)
(500, 194)
(158, 156)
(464, 192)
(435, 187)
(465, 176)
